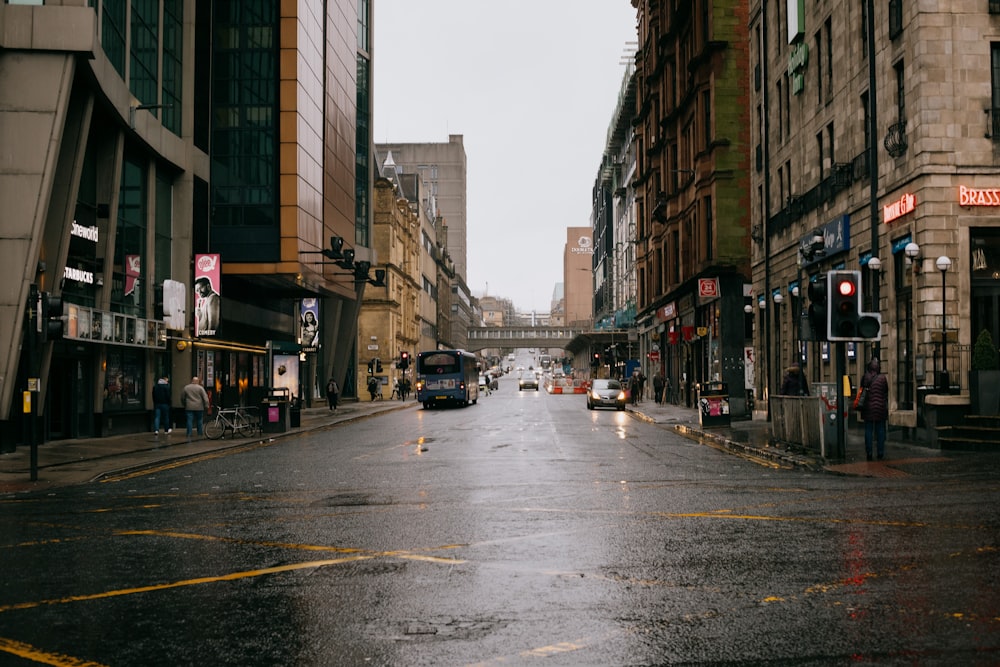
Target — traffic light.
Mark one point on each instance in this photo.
(817, 292)
(404, 360)
(371, 367)
(846, 321)
(844, 303)
(378, 365)
(53, 325)
(595, 361)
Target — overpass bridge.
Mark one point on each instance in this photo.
(526, 337)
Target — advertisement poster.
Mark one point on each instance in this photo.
(309, 323)
(174, 304)
(285, 372)
(133, 269)
(207, 297)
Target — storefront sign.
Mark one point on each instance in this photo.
(708, 288)
(584, 246)
(978, 197)
(89, 233)
(79, 275)
(667, 312)
(905, 204)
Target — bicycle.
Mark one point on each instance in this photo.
(232, 419)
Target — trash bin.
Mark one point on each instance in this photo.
(295, 413)
(274, 411)
(713, 405)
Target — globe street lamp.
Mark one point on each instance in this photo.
(943, 263)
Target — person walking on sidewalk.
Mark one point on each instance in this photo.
(196, 401)
(658, 387)
(876, 409)
(794, 383)
(161, 405)
(332, 392)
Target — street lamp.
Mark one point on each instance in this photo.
(912, 251)
(943, 263)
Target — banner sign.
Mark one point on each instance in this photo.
(207, 295)
(309, 323)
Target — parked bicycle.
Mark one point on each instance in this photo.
(237, 420)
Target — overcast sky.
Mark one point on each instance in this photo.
(532, 86)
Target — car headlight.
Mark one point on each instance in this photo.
(621, 396)
(594, 394)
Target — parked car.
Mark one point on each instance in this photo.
(606, 394)
(527, 380)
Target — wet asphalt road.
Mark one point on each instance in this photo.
(524, 530)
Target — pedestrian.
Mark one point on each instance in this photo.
(196, 401)
(332, 393)
(876, 408)
(373, 386)
(161, 405)
(794, 383)
(658, 387)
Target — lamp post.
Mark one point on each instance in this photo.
(943, 263)
(778, 299)
(875, 266)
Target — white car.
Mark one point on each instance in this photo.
(527, 380)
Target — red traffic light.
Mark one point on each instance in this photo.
(846, 288)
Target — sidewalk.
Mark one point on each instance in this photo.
(68, 462)
(752, 439)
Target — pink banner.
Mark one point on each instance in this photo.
(207, 299)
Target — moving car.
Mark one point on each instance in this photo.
(527, 380)
(606, 394)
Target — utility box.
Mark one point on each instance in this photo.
(274, 411)
(713, 405)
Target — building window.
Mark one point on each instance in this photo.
(819, 67)
(362, 171)
(143, 47)
(113, 33)
(828, 33)
(245, 98)
(130, 270)
(994, 129)
(900, 92)
(706, 103)
(173, 52)
(363, 20)
(864, 28)
(895, 18)
(709, 229)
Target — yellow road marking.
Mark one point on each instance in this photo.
(29, 652)
(232, 576)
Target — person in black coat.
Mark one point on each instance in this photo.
(794, 383)
(876, 409)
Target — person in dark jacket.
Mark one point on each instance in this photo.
(876, 409)
(794, 383)
(161, 405)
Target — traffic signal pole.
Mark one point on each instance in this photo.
(841, 452)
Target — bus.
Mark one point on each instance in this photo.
(447, 376)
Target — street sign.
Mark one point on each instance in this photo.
(654, 355)
(708, 288)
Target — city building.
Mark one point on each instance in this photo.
(389, 321)
(442, 167)
(199, 159)
(437, 270)
(875, 133)
(692, 194)
(578, 279)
